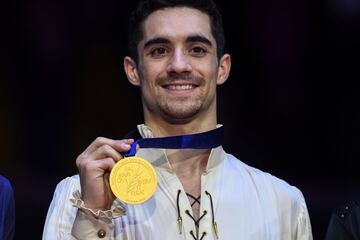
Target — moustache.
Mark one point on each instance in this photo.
(187, 78)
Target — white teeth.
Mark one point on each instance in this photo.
(180, 87)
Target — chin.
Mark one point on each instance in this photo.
(180, 117)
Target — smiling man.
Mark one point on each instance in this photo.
(177, 59)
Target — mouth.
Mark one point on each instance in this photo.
(179, 87)
(180, 84)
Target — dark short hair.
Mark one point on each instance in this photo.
(146, 7)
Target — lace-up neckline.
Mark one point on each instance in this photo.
(195, 234)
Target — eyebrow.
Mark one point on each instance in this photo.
(157, 40)
(192, 38)
(199, 38)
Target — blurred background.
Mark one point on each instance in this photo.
(290, 106)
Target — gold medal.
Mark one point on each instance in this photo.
(133, 180)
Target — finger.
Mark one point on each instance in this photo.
(99, 141)
(105, 164)
(100, 166)
(102, 152)
(105, 151)
(123, 145)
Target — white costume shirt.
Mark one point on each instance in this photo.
(248, 204)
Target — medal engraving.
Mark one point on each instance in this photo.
(133, 180)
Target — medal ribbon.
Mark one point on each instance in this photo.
(204, 140)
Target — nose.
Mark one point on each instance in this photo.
(179, 63)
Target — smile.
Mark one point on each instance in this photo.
(179, 87)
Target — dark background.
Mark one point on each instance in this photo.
(290, 106)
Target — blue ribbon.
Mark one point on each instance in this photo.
(204, 140)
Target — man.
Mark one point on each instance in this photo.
(7, 210)
(177, 60)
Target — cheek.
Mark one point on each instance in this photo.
(152, 72)
(208, 68)
(210, 75)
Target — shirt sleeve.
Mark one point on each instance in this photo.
(87, 226)
(303, 229)
(61, 214)
(65, 221)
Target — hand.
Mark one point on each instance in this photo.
(94, 166)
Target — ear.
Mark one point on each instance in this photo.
(131, 71)
(224, 69)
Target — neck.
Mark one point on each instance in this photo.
(189, 165)
(162, 128)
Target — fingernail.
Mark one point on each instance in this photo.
(124, 145)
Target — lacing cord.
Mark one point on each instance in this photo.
(193, 235)
(178, 210)
(196, 222)
(213, 216)
(196, 199)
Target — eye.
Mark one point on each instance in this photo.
(158, 52)
(198, 51)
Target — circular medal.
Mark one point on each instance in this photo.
(133, 180)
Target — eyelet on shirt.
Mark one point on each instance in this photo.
(193, 235)
(101, 233)
(203, 235)
(195, 238)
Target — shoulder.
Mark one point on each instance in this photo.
(264, 181)
(5, 187)
(347, 209)
(347, 213)
(4, 182)
(345, 221)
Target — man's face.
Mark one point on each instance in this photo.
(178, 67)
